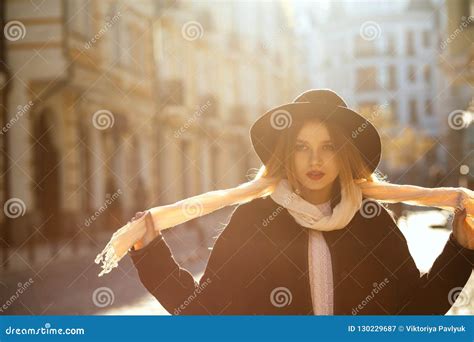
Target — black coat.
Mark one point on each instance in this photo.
(263, 248)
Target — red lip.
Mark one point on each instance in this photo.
(315, 175)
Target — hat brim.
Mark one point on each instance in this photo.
(265, 131)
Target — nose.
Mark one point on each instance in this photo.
(315, 158)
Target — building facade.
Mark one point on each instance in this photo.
(382, 59)
(222, 64)
(80, 102)
(117, 106)
(456, 58)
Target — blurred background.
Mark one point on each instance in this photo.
(111, 107)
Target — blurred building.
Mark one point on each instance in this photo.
(222, 64)
(117, 106)
(382, 59)
(456, 60)
(4, 76)
(81, 104)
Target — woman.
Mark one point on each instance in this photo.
(317, 244)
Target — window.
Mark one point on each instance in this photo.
(115, 37)
(393, 109)
(248, 86)
(139, 58)
(366, 79)
(410, 43)
(186, 165)
(428, 108)
(126, 45)
(411, 73)
(413, 113)
(201, 72)
(211, 105)
(427, 74)
(80, 17)
(364, 48)
(215, 166)
(426, 39)
(391, 48)
(392, 77)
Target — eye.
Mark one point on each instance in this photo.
(329, 147)
(300, 147)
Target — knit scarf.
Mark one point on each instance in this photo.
(309, 215)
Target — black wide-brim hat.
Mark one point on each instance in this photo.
(323, 104)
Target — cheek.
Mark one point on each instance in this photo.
(300, 162)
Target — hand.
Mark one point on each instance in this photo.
(150, 233)
(463, 233)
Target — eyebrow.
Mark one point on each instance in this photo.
(325, 141)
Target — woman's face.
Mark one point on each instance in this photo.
(314, 151)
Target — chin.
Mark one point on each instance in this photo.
(311, 185)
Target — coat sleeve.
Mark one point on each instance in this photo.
(175, 288)
(431, 293)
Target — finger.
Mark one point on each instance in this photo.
(138, 215)
(149, 222)
(150, 231)
(460, 212)
(459, 216)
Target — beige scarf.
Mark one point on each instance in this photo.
(309, 215)
(167, 216)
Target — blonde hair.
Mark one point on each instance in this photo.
(350, 162)
(353, 171)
